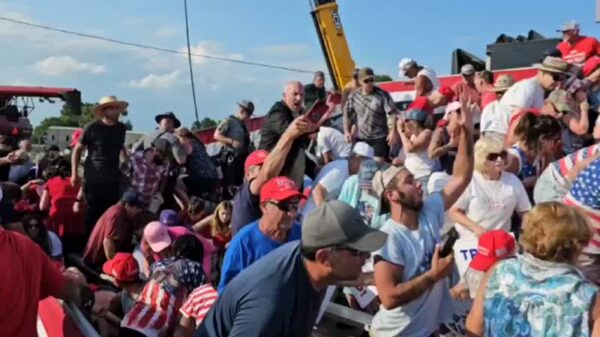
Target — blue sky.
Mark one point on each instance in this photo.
(279, 32)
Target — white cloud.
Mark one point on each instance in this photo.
(210, 48)
(62, 65)
(283, 49)
(166, 32)
(154, 81)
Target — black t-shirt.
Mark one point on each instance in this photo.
(276, 122)
(313, 94)
(246, 208)
(272, 297)
(104, 143)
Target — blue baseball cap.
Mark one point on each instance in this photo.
(169, 217)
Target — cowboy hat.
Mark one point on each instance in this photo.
(170, 115)
(553, 65)
(110, 101)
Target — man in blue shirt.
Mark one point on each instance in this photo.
(279, 199)
(280, 295)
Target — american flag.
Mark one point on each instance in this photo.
(585, 194)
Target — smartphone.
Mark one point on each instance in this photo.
(316, 111)
(448, 244)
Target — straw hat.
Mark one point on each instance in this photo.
(553, 65)
(110, 101)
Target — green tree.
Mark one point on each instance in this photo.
(68, 118)
(207, 123)
(383, 78)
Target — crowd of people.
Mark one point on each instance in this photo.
(161, 239)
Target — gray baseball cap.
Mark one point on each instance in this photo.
(335, 223)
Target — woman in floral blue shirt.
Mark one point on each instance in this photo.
(540, 293)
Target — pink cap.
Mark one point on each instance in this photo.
(157, 236)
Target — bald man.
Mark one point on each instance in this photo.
(281, 114)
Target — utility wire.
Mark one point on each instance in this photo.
(148, 47)
(189, 54)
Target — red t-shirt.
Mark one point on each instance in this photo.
(28, 276)
(584, 48)
(462, 88)
(487, 97)
(62, 220)
(113, 224)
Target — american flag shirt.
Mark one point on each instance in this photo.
(585, 195)
(199, 303)
(155, 311)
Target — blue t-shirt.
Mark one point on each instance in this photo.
(272, 298)
(246, 208)
(249, 245)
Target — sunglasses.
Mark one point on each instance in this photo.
(34, 225)
(289, 206)
(352, 251)
(495, 156)
(368, 80)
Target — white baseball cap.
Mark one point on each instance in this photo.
(363, 149)
(406, 63)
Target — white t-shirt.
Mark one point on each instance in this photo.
(331, 177)
(491, 203)
(56, 249)
(414, 250)
(494, 119)
(525, 94)
(332, 140)
(419, 163)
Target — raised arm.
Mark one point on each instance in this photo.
(276, 159)
(463, 165)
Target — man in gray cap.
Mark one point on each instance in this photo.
(466, 86)
(280, 294)
(409, 272)
(235, 137)
(576, 48)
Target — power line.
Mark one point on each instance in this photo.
(148, 47)
(189, 53)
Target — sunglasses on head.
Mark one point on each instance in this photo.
(496, 155)
(286, 206)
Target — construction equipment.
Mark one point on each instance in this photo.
(333, 41)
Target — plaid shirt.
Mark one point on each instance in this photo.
(144, 177)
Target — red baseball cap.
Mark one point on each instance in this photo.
(255, 158)
(123, 268)
(446, 92)
(279, 189)
(493, 246)
(420, 103)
